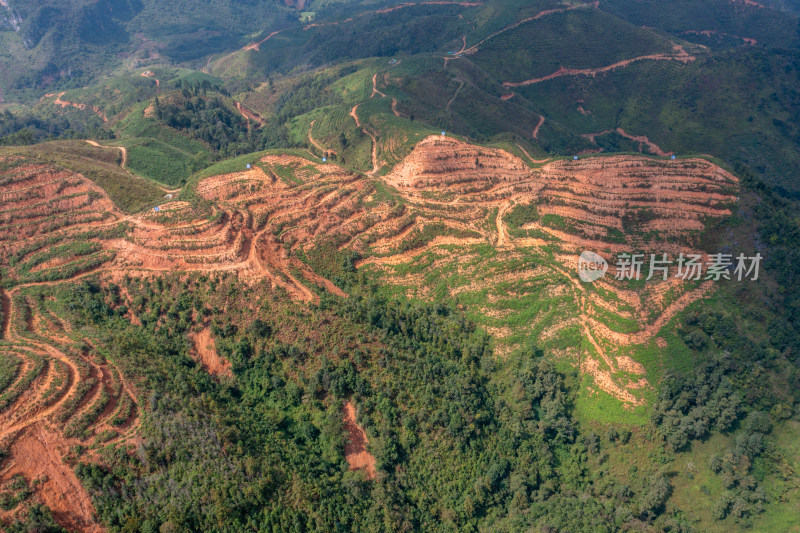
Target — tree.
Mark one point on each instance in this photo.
(656, 496)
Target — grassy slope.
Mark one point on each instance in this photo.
(101, 165)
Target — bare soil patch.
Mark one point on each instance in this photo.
(206, 351)
(38, 454)
(355, 451)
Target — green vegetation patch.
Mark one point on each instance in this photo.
(128, 192)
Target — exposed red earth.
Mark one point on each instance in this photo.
(681, 55)
(38, 454)
(355, 450)
(256, 221)
(458, 184)
(63, 103)
(149, 74)
(249, 114)
(206, 352)
(641, 139)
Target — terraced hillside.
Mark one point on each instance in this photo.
(503, 239)
(314, 265)
(58, 391)
(496, 233)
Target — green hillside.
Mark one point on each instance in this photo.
(289, 265)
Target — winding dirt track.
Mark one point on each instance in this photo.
(682, 56)
(455, 95)
(535, 132)
(391, 9)
(474, 48)
(63, 103)
(375, 90)
(257, 46)
(120, 148)
(375, 166)
(249, 114)
(315, 143)
(709, 33)
(529, 156)
(641, 139)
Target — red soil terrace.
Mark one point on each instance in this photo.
(257, 221)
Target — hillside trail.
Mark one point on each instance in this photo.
(252, 46)
(641, 139)
(120, 148)
(375, 166)
(375, 87)
(376, 91)
(6, 307)
(681, 55)
(455, 95)
(315, 143)
(474, 48)
(391, 9)
(708, 33)
(248, 114)
(501, 228)
(148, 74)
(63, 103)
(257, 46)
(524, 151)
(535, 132)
